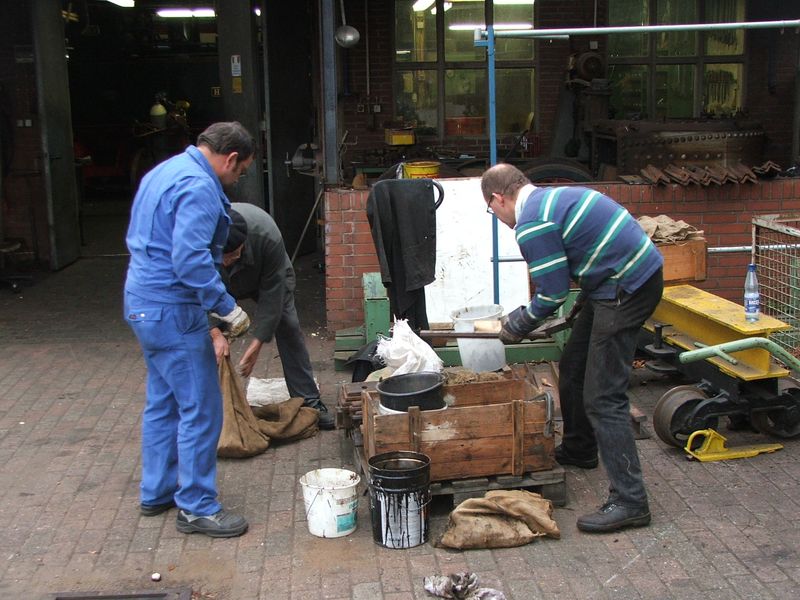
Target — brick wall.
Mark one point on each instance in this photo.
(724, 213)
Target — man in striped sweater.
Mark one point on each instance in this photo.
(575, 234)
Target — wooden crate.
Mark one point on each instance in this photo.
(491, 428)
(684, 261)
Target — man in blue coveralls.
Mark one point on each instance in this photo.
(576, 233)
(178, 228)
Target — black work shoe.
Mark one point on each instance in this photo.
(565, 458)
(220, 525)
(153, 510)
(611, 517)
(326, 419)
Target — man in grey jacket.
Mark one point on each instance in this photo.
(256, 266)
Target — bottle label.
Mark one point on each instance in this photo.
(751, 305)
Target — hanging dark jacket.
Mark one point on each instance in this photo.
(402, 218)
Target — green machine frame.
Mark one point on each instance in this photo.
(377, 322)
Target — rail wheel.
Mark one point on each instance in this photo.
(781, 422)
(671, 415)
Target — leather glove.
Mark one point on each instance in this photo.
(237, 320)
(516, 325)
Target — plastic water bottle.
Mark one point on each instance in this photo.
(751, 296)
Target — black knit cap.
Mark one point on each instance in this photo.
(237, 233)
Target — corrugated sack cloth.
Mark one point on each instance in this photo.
(247, 431)
(666, 229)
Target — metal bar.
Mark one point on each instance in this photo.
(489, 45)
(330, 137)
(539, 33)
(738, 346)
(716, 250)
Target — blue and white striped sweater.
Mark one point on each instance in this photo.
(578, 234)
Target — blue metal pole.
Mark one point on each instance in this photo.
(488, 43)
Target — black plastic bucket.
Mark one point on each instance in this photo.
(399, 495)
(423, 389)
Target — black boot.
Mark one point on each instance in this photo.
(326, 419)
(611, 517)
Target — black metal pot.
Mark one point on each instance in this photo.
(424, 389)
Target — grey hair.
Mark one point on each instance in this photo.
(227, 137)
(502, 178)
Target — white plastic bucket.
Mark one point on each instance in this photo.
(331, 499)
(476, 354)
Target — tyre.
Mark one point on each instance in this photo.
(556, 170)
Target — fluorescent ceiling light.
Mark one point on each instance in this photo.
(123, 3)
(528, 2)
(421, 5)
(185, 13)
(447, 6)
(497, 26)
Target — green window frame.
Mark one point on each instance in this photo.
(676, 75)
(440, 76)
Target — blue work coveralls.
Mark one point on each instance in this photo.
(179, 224)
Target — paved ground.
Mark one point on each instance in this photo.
(71, 392)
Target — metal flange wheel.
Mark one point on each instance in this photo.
(781, 422)
(671, 415)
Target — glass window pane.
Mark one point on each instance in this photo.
(628, 91)
(674, 93)
(515, 97)
(729, 41)
(722, 86)
(416, 99)
(518, 15)
(678, 43)
(414, 31)
(465, 102)
(460, 21)
(627, 12)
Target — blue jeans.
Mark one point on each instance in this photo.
(182, 417)
(594, 374)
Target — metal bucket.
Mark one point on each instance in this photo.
(399, 497)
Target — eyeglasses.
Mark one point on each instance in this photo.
(489, 205)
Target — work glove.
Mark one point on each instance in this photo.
(517, 325)
(237, 321)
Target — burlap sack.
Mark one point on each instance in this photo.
(241, 435)
(665, 229)
(286, 421)
(501, 519)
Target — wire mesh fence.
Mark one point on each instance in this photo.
(776, 239)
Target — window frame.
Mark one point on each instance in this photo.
(700, 61)
(441, 65)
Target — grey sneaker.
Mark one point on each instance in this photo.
(326, 419)
(220, 525)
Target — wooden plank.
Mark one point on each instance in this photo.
(459, 423)
(414, 428)
(488, 392)
(367, 429)
(684, 261)
(517, 426)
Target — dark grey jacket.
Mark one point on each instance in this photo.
(264, 272)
